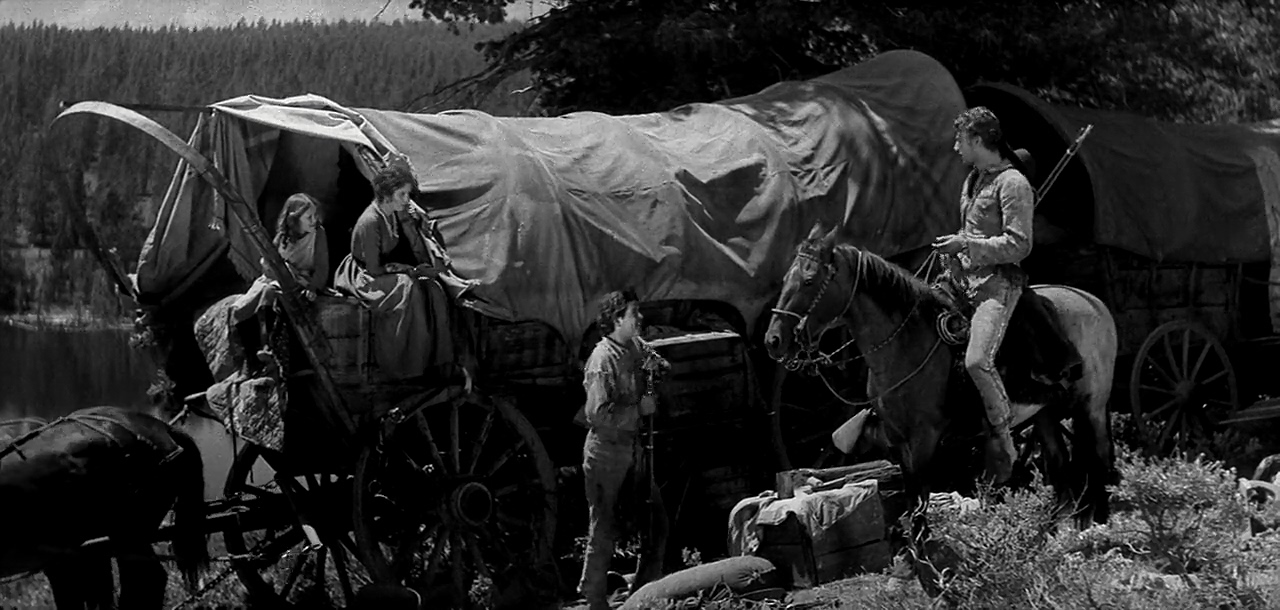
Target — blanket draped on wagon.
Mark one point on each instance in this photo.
(251, 406)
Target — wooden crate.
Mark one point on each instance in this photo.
(857, 543)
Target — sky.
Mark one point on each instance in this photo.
(212, 13)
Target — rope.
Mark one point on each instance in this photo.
(891, 389)
(944, 328)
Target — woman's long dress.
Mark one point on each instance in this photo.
(307, 257)
(410, 317)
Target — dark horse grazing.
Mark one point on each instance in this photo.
(895, 320)
(102, 472)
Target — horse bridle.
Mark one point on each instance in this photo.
(805, 357)
(801, 336)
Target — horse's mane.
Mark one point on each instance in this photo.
(892, 287)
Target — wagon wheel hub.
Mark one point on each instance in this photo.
(472, 504)
(1184, 388)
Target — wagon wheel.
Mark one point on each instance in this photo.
(270, 549)
(458, 502)
(1181, 386)
(804, 411)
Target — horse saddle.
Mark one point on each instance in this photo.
(1035, 349)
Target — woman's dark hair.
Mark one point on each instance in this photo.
(287, 228)
(614, 306)
(390, 178)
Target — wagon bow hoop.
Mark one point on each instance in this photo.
(313, 341)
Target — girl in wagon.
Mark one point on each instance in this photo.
(303, 245)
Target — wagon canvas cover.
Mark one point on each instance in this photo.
(705, 201)
(1169, 191)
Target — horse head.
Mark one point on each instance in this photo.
(807, 306)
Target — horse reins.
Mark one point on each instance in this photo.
(825, 359)
(96, 423)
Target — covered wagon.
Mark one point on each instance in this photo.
(443, 485)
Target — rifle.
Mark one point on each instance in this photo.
(654, 367)
(1062, 163)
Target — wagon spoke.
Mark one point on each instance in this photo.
(502, 459)
(1186, 348)
(1167, 391)
(1168, 351)
(404, 554)
(477, 557)
(1159, 368)
(503, 517)
(1222, 403)
(318, 581)
(459, 567)
(425, 428)
(294, 572)
(344, 577)
(413, 464)
(455, 443)
(436, 557)
(1204, 353)
(1215, 377)
(1165, 406)
(481, 439)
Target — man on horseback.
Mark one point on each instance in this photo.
(996, 208)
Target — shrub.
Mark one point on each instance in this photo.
(1177, 539)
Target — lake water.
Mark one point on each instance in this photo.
(50, 373)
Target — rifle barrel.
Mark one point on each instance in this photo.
(1062, 163)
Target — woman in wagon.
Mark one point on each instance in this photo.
(400, 270)
(302, 243)
(996, 209)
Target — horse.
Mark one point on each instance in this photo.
(898, 324)
(106, 476)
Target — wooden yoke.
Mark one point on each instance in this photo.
(314, 343)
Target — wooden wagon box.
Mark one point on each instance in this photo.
(707, 409)
(348, 326)
(706, 378)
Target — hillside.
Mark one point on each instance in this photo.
(357, 64)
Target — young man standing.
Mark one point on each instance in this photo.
(996, 209)
(618, 378)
